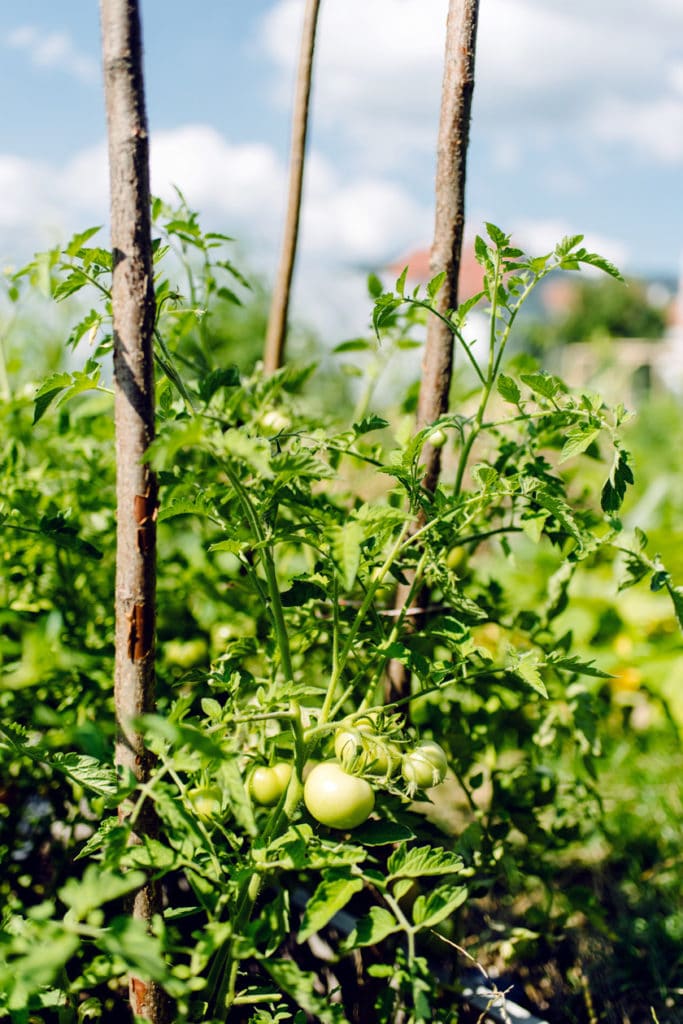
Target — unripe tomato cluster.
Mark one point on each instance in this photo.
(339, 793)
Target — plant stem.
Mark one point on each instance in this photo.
(5, 387)
(268, 563)
(357, 622)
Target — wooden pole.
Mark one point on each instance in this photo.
(136, 489)
(437, 362)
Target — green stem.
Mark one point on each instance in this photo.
(398, 624)
(357, 622)
(268, 563)
(405, 924)
(223, 975)
(5, 387)
(454, 331)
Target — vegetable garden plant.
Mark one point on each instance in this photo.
(319, 848)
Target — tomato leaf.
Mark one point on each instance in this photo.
(578, 439)
(433, 907)
(301, 987)
(508, 389)
(373, 928)
(621, 475)
(417, 862)
(333, 893)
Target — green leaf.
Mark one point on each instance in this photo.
(301, 987)
(533, 524)
(225, 377)
(524, 664)
(353, 345)
(418, 862)
(228, 295)
(88, 772)
(375, 286)
(621, 475)
(372, 929)
(128, 938)
(232, 782)
(97, 886)
(180, 734)
(576, 665)
(433, 907)
(508, 389)
(78, 241)
(198, 504)
(561, 511)
(48, 391)
(578, 439)
(382, 833)
(150, 855)
(333, 893)
(108, 833)
(676, 595)
(368, 424)
(498, 237)
(383, 312)
(459, 315)
(401, 281)
(300, 592)
(568, 243)
(594, 260)
(436, 284)
(346, 544)
(36, 967)
(543, 383)
(481, 250)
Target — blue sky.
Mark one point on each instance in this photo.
(577, 127)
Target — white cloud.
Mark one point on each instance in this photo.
(656, 126)
(55, 50)
(378, 71)
(544, 70)
(348, 225)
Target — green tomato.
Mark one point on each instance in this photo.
(337, 799)
(382, 758)
(424, 766)
(186, 653)
(206, 801)
(456, 557)
(438, 438)
(275, 420)
(349, 747)
(267, 785)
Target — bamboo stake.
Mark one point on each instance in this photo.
(276, 332)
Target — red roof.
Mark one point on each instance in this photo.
(419, 271)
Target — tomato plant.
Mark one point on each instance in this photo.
(282, 541)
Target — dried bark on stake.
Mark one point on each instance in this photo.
(437, 362)
(136, 490)
(276, 333)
